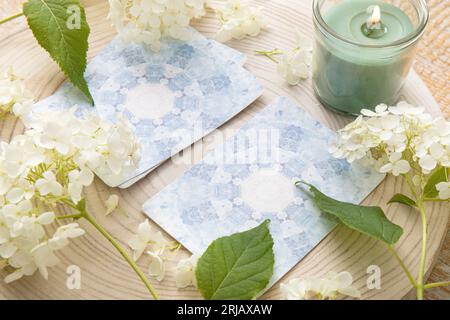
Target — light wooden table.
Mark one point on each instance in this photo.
(105, 275)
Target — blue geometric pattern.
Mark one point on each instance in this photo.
(173, 97)
(222, 196)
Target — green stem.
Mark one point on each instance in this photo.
(436, 284)
(70, 216)
(434, 200)
(11, 18)
(402, 264)
(420, 287)
(269, 54)
(130, 261)
(411, 186)
(420, 283)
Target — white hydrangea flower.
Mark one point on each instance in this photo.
(14, 97)
(146, 238)
(185, 272)
(380, 111)
(62, 235)
(77, 180)
(320, 288)
(111, 203)
(40, 168)
(139, 241)
(147, 21)
(48, 184)
(295, 65)
(403, 129)
(397, 139)
(239, 20)
(444, 190)
(396, 165)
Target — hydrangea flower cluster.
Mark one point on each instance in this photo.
(14, 97)
(239, 20)
(398, 139)
(147, 21)
(295, 64)
(320, 288)
(49, 165)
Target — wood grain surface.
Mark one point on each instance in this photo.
(105, 275)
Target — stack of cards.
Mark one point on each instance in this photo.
(173, 97)
(249, 179)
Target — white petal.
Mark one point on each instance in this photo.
(436, 150)
(111, 203)
(427, 162)
(345, 279)
(16, 275)
(156, 267)
(46, 218)
(401, 167)
(386, 168)
(145, 230)
(15, 195)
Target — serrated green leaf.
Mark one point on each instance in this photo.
(401, 198)
(67, 46)
(368, 220)
(438, 175)
(238, 266)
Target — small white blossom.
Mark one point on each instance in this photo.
(62, 235)
(320, 288)
(77, 180)
(111, 203)
(48, 184)
(444, 190)
(185, 272)
(44, 257)
(147, 21)
(396, 165)
(380, 111)
(239, 20)
(144, 238)
(295, 65)
(139, 241)
(14, 97)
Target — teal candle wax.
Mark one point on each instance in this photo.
(356, 69)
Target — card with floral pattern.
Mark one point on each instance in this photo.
(250, 178)
(173, 97)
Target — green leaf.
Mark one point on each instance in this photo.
(438, 175)
(401, 198)
(52, 24)
(238, 266)
(368, 220)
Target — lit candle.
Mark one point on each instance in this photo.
(364, 50)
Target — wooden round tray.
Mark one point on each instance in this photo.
(106, 276)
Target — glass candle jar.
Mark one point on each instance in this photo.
(364, 50)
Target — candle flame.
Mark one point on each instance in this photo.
(375, 17)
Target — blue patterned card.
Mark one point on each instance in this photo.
(249, 179)
(173, 97)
